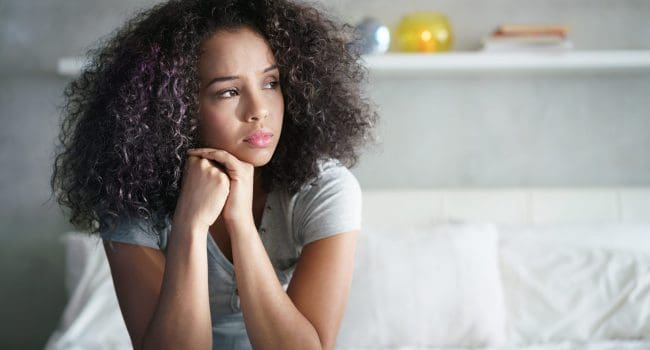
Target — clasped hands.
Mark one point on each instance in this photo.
(208, 190)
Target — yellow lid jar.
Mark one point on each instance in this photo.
(423, 32)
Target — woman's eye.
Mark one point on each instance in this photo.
(227, 93)
(233, 92)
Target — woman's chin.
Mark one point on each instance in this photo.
(257, 158)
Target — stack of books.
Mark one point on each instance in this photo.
(528, 37)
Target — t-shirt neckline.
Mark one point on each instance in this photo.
(219, 256)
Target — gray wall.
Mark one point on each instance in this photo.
(529, 129)
(454, 130)
(515, 130)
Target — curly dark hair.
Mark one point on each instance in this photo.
(132, 113)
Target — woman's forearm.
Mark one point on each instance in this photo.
(182, 318)
(272, 320)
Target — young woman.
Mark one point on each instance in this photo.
(208, 143)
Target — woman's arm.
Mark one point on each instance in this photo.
(308, 315)
(164, 302)
(182, 320)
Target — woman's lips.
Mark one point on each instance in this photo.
(259, 138)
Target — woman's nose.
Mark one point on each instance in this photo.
(257, 109)
(257, 117)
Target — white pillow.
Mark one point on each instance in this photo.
(576, 282)
(91, 318)
(436, 286)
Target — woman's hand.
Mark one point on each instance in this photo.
(238, 209)
(204, 190)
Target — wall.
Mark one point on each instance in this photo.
(493, 130)
(33, 35)
(449, 131)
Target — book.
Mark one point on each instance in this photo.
(527, 37)
(526, 43)
(531, 29)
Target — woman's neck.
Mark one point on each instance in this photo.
(259, 195)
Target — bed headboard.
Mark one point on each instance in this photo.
(515, 205)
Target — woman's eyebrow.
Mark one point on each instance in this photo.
(234, 77)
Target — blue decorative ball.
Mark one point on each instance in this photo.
(373, 36)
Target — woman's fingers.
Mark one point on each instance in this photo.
(221, 156)
(238, 206)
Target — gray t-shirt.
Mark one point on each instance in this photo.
(329, 205)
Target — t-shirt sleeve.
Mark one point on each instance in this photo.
(135, 231)
(331, 205)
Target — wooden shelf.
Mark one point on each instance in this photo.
(397, 64)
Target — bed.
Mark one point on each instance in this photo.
(464, 268)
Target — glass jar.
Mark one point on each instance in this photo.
(423, 32)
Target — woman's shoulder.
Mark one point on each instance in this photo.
(136, 230)
(332, 179)
(331, 172)
(329, 204)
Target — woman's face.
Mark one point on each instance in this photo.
(240, 102)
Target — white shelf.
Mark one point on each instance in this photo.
(458, 62)
(452, 62)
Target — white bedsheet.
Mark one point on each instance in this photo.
(606, 345)
(92, 319)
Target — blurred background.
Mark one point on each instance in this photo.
(469, 128)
